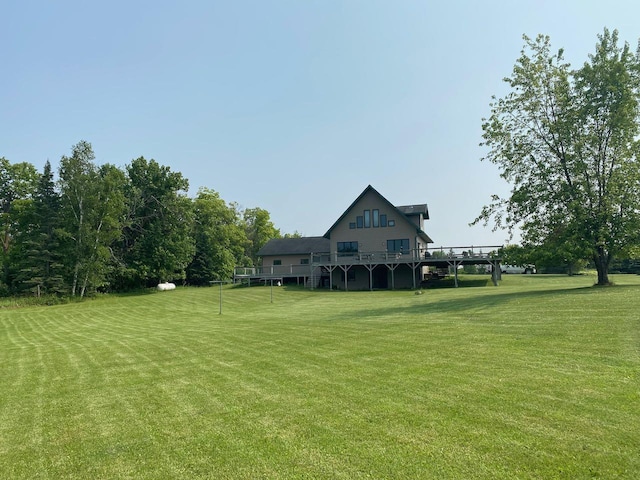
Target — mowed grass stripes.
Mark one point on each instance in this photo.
(538, 378)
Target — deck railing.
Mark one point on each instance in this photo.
(330, 259)
(275, 271)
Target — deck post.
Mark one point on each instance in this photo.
(331, 268)
(455, 273)
(345, 269)
(392, 267)
(495, 271)
(413, 269)
(370, 267)
(346, 288)
(311, 270)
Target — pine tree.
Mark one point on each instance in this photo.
(41, 263)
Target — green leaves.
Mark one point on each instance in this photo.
(567, 142)
(260, 229)
(92, 210)
(158, 241)
(220, 239)
(101, 227)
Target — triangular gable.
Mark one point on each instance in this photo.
(391, 205)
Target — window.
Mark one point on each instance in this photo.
(392, 223)
(376, 218)
(383, 220)
(401, 245)
(346, 248)
(367, 218)
(304, 261)
(277, 262)
(351, 275)
(359, 221)
(352, 225)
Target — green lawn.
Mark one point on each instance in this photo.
(538, 378)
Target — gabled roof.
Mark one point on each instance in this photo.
(401, 213)
(294, 246)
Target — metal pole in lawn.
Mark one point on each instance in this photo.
(213, 282)
(220, 313)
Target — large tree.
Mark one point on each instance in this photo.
(260, 229)
(17, 185)
(40, 262)
(220, 239)
(158, 244)
(92, 205)
(567, 140)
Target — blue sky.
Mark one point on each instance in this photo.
(291, 106)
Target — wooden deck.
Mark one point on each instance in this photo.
(324, 264)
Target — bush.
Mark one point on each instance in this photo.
(30, 301)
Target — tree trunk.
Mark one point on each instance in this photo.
(602, 260)
(84, 285)
(74, 285)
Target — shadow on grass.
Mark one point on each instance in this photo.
(135, 293)
(490, 300)
(449, 282)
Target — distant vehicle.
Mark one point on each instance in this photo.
(528, 269)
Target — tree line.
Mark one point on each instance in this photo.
(104, 228)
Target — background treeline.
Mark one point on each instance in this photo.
(102, 228)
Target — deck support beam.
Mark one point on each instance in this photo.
(345, 269)
(392, 267)
(330, 269)
(454, 264)
(370, 267)
(414, 265)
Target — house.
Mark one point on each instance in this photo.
(372, 245)
(291, 259)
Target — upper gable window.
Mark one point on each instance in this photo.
(383, 220)
(392, 223)
(367, 219)
(352, 225)
(359, 221)
(376, 218)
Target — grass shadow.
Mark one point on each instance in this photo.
(490, 300)
(449, 282)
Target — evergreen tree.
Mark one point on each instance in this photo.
(41, 263)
